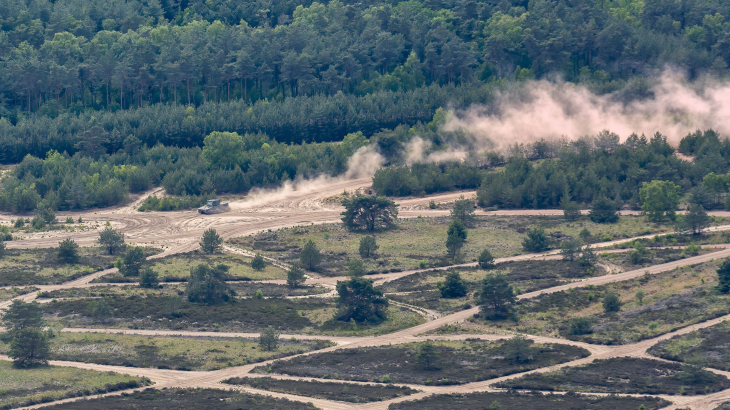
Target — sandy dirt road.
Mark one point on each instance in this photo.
(179, 232)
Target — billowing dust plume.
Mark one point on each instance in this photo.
(360, 167)
(548, 110)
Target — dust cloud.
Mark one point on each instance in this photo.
(362, 165)
(553, 110)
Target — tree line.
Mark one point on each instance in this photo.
(130, 64)
(228, 163)
(580, 171)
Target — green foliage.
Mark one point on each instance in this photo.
(30, 348)
(369, 213)
(659, 199)
(486, 260)
(570, 248)
(208, 285)
(453, 286)
(111, 239)
(518, 349)
(68, 251)
(588, 257)
(603, 211)
(723, 274)
(640, 294)
(536, 240)
(359, 301)
(310, 256)
(696, 219)
(638, 254)
(425, 178)
(148, 278)
(368, 247)
(269, 339)
(258, 263)
(100, 310)
(463, 211)
(427, 356)
(497, 297)
(133, 261)
(355, 267)
(259, 294)
(580, 326)
(295, 276)
(211, 242)
(22, 315)
(611, 302)
(571, 210)
(223, 150)
(171, 203)
(455, 237)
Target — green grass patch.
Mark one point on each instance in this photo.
(25, 387)
(186, 399)
(156, 311)
(180, 353)
(709, 345)
(458, 362)
(624, 375)
(349, 392)
(176, 268)
(242, 289)
(40, 266)
(519, 401)
(525, 276)
(672, 300)
(421, 241)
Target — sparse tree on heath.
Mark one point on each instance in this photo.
(369, 213)
(427, 356)
(148, 278)
(258, 263)
(696, 219)
(211, 241)
(295, 276)
(486, 260)
(208, 285)
(536, 240)
(24, 323)
(355, 267)
(723, 274)
(368, 246)
(455, 237)
(497, 297)
(30, 348)
(68, 251)
(453, 286)
(133, 261)
(611, 302)
(464, 211)
(269, 339)
(359, 301)
(111, 239)
(570, 249)
(310, 256)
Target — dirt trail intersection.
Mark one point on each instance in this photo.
(180, 232)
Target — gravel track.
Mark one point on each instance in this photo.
(179, 232)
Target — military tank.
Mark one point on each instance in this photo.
(214, 206)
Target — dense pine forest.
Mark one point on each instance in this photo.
(111, 97)
(302, 71)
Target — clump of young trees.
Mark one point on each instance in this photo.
(29, 342)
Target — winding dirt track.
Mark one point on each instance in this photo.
(179, 232)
